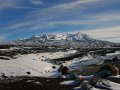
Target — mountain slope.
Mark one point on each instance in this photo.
(72, 40)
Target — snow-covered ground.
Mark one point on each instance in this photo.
(113, 86)
(33, 63)
(37, 66)
(115, 53)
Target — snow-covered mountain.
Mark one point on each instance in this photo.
(77, 39)
(71, 37)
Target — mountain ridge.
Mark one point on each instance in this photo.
(77, 39)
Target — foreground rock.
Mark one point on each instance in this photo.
(32, 83)
(36, 83)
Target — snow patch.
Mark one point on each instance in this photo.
(112, 54)
(115, 86)
(35, 64)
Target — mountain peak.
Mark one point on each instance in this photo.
(79, 33)
(36, 36)
(77, 39)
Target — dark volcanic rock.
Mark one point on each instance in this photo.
(32, 83)
(4, 58)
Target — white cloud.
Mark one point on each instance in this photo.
(110, 34)
(2, 38)
(75, 4)
(37, 2)
(106, 16)
(59, 10)
(39, 20)
(18, 25)
(45, 15)
(6, 4)
(42, 15)
(116, 40)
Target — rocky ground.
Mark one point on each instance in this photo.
(39, 83)
(36, 83)
(32, 83)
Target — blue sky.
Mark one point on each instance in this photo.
(24, 18)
